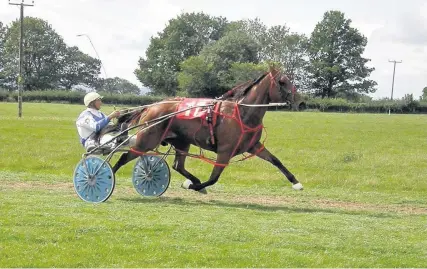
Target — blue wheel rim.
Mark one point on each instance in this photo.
(151, 176)
(91, 187)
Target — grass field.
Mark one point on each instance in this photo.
(364, 202)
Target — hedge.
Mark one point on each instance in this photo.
(379, 106)
(324, 105)
(56, 96)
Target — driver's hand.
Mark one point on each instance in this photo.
(114, 115)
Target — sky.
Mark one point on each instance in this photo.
(120, 30)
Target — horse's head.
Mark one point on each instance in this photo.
(281, 87)
(276, 85)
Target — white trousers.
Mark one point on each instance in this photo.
(92, 143)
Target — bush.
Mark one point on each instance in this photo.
(3, 95)
(379, 106)
(128, 99)
(76, 97)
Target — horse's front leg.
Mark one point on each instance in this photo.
(221, 163)
(266, 155)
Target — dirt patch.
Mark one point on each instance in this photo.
(285, 202)
(370, 207)
(238, 200)
(36, 185)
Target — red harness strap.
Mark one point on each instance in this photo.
(137, 152)
(244, 129)
(203, 158)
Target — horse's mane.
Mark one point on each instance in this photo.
(241, 90)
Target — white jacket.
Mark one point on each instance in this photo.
(89, 122)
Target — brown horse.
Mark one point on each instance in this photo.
(235, 127)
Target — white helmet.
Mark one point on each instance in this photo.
(92, 96)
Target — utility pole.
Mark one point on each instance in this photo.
(394, 72)
(97, 55)
(21, 52)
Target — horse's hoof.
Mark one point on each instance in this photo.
(203, 191)
(297, 187)
(186, 184)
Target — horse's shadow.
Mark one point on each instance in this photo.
(254, 206)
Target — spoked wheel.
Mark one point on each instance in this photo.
(93, 180)
(151, 175)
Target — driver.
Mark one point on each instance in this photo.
(91, 121)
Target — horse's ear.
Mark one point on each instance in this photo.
(273, 70)
(283, 78)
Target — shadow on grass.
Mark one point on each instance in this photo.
(254, 206)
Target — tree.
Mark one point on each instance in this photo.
(209, 74)
(233, 47)
(118, 85)
(197, 78)
(424, 96)
(255, 30)
(290, 50)
(78, 68)
(43, 50)
(242, 72)
(278, 44)
(275, 44)
(408, 98)
(336, 64)
(3, 31)
(296, 60)
(183, 37)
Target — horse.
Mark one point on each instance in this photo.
(235, 129)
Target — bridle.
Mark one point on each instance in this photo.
(273, 83)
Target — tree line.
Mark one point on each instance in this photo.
(200, 55)
(49, 63)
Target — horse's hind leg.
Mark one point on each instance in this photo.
(266, 155)
(179, 163)
(145, 141)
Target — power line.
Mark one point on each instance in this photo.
(21, 52)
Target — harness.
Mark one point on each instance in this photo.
(213, 112)
(210, 118)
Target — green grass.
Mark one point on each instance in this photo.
(364, 203)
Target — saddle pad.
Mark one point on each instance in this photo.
(195, 112)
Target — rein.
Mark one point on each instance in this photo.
(137, 108)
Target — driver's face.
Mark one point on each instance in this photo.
(98, 104)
